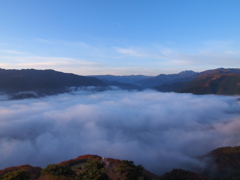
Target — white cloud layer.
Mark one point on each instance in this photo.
(161, 131)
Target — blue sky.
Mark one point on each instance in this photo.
(120, 37)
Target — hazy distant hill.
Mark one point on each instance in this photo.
(131, 79)
(147, 81)
(42, 81)
(216, 81)
(166, 79)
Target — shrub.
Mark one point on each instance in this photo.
(130, 170)
(58, 170)
(93, 170)
(13, 175)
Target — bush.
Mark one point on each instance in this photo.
(130, 170)
(13, 175)
(58, 170)
(93, 170)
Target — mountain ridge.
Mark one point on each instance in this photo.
(216, 81)
(31, 83)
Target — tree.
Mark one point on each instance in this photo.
(13, 175)
(59, 171)
(93, 170)
(130, 170)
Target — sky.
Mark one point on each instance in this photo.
(119, 37)
(160, 131)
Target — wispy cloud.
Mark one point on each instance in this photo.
(39, 62)
(119, 25)
(213, 54)
(91, 58)
(130, 52)
(219, 45)
(208, 54)
(145, 52)
(5, 51)
(44, 41)
(65, 43)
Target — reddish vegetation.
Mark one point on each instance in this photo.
(31, 172)
(213, 76)
(110, 167)
(80, 159)
(214, 83)
(226, 160)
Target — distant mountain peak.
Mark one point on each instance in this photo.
(187, 72)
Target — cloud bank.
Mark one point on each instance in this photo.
(161, 131)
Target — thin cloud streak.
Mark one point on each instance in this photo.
(64, 64)
(6, 51)
(130, 52)
(208, 55)
(86, 58)
(158, 130)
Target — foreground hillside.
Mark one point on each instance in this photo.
(83, 168)
(222, 163)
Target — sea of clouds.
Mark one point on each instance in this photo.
(161, 131)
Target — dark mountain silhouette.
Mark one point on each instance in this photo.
(218, 81)
(31, 82)
(35, 83)
(214, 83)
